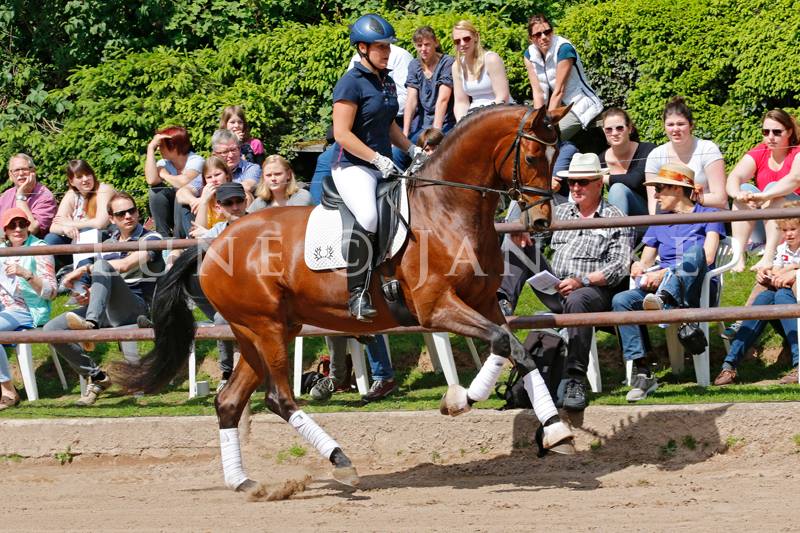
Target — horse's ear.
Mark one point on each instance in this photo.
(559, 113)
(537, 117)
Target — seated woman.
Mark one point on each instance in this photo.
(685, 250)
(120, 288)
(479, 77)
(429, 140)
(178, 166)
(83, 206)
(702, 156)
(776, 169)
(30, 284)
(215, 173)
(233, 119)
(625, 159)
(774, 286)
(278, 187)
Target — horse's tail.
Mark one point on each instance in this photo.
(174, 327)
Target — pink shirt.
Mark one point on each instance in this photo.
(41, 202)
(764, 174)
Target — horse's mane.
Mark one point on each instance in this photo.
(453, 138)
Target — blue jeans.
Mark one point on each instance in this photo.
(322, 169)
(630, 203)
(11, 321)
(566, 150)
(379, 364)
(751, 330)
(682, 282)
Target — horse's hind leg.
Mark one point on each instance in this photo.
(230, 403)
(280, 400)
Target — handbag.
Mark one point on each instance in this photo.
(692, 338)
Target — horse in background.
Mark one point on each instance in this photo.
(449, 271)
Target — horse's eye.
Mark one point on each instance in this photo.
(530, 159)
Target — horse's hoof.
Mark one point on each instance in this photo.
(558, 438)
(346, 475)
(455, 401)
(254, 491)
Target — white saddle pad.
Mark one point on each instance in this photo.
(323, 245)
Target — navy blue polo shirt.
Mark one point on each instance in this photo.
(377, 107)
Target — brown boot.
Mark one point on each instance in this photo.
(726, 377)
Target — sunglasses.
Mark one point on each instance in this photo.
(18, 224)
(120, 214)
(660, 187)
(611, 129)
(581, 182)
(776, 132)
(539, 34)
(232, 202)
(466, 39)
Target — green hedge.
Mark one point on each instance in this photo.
(732, 59)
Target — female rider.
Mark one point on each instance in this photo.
(364, 107)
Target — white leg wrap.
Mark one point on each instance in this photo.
(542, 402)
(483, 384)
(231, 458)
(314, 434)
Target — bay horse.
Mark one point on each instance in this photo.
(254, 274)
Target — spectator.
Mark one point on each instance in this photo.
(232, 119)
(29, 285)
(430, 139)
(225, 145)
(215, 173)
(702, 156)
(625, 159)
(429, 103)
(775, 287)
(178, 166)
(120, 287)
(322, 169)
(84, 206)
(686, 252)
(32, 197)
(479, 77)
(589, 264)
(278, 186)
(776, 169)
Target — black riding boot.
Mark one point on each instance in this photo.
(359, 273)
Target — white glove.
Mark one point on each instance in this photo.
(384, 164)
(413, 150)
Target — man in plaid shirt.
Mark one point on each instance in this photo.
(590, 263)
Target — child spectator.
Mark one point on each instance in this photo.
(215, 173)
(233, 119)
(278, 186)
(775, 283)
(430, 139)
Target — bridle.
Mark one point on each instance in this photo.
(517, 189)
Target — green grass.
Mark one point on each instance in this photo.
(418, 390)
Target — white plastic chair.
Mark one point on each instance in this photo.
(728, 254)
(28, 371)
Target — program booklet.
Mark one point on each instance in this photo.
(545, 282)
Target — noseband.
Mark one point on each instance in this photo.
(517, 189)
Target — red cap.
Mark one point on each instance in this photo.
(10, 214)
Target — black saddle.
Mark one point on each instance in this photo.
(389, 217)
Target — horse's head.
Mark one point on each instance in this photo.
(530, 170)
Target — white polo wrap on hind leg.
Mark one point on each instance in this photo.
(314, 434)
(231, 458)
(542, 402)
(483, 384)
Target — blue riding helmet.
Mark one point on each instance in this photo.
(370, 29)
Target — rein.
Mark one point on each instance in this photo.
(517, 188)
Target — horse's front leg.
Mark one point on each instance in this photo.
(454, 315)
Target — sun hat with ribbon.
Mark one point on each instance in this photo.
(673, 174)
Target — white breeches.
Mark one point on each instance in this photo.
(357, 186)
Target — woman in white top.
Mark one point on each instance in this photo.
(83, 205)
(479, 77)
(700, 155)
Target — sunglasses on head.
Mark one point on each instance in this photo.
(18, 224)
(539, 34)
(232, 202)
(775, 131)
(610, 129)
(465, 40)
(580, 182)
(120, 214)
